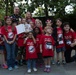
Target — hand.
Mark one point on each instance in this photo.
(1, 42)
(40, 50)
(72, 45)
(8, 42)
(32, 37)
(71, 30)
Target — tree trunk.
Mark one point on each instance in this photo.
(6, 7)
(11, 4)
(46, 10)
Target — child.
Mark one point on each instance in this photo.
(70, 42)
(49, 23)
(39, 24)
(31, 54)
(20, 43)
(46, 48)
(3, 64)
(32, 25)
(37, 35)
(60, 46)
(9, 34)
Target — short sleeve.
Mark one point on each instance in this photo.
(41, 39)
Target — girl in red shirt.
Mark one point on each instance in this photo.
(9, 33)
(46, 48)
(60, 45)
(2, 48)
(39, 24)
(31, 53)
(37, 34)
(70, 42)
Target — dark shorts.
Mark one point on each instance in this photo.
(45, 57)
(1, 47)
(62, 49)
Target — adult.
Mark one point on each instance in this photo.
(29, 17)
(16, 16)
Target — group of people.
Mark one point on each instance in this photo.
(37, 46)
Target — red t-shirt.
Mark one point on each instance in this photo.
(60, 38)
(47, 45)
(69, 38)
(1, 36)
(20, 40)
(8, 32)
(38, 37)
(30, 49)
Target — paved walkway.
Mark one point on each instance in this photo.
(68, 69)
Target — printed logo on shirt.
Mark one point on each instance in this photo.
(48, 45)
(31, 49)
(10, 35)
(60, 38)
(68, 42)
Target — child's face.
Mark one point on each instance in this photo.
(36, 30)
(23, 21)
(49, 30)
(30, 35)
(32, 24)
(8, 21)
(58, 23)
(49, 23)
(67, 28)
(14, 24)
(38, 24)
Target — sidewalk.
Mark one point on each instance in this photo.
(68, 69)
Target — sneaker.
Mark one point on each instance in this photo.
(16, 67)
(4, 66)
(10, 68)
(35, 69)
(29, 70)
(63, 62)
(45, 70)
(58, 62)
(48, 70)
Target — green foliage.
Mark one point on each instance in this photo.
(56, 7)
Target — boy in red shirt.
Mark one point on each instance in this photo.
(46, 47)
(31, 53)
(70, 42)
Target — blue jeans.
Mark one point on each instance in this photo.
(31, 63)
(10, 49)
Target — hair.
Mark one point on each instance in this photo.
(58, 19)
(48, 20)
(11, 23)
(34, 33)
(66, 23)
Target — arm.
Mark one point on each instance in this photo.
(6, 39)
(34, 39)
(25, 40)
(41, 48)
